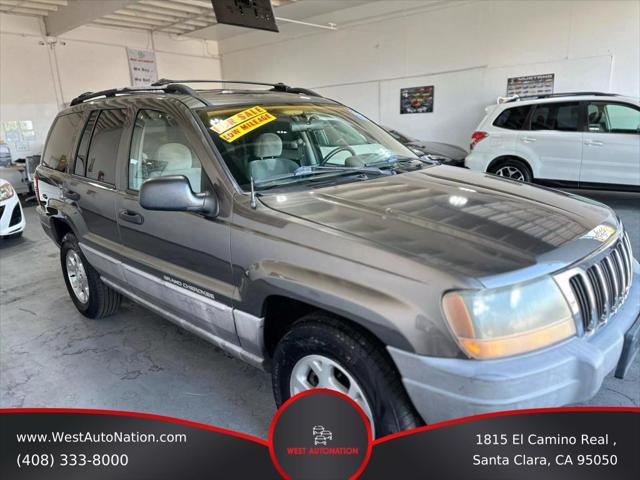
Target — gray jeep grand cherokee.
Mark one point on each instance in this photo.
(299, 236)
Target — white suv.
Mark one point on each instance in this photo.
(586, 140)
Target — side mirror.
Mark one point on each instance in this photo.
(173, 193)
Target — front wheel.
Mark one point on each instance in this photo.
(322, 351)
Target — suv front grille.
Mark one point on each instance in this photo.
(602, 288)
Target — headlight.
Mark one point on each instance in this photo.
(506, 321)
(6, 191)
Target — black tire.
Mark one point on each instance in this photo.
(513, 163)
(321, 334)
(103, 301)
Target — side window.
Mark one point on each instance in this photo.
(103, 151)
(160, 148)
(58, 152)
(556, 116)
(613, 118)
(512, 118)
(83, 148)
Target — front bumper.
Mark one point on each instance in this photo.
(570, 372)
(11, 216)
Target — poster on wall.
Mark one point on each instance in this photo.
(142, 66)
(416, 100)
(530, 85)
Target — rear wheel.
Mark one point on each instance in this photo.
(90, 295)
(514, 169)
(322, 351)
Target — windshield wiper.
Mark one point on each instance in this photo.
(394, 159)
(307, 170)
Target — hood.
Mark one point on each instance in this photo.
(468, 223)
(437, 148)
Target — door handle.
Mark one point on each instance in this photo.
(594, 143)
(131, 217)
(528, 139)
(71, 195)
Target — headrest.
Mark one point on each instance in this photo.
(177, 156)
(267, 145)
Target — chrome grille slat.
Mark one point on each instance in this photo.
(610, 288)
(600, 288)
(605, 291)
(625, 247)
(621, 275)
(614, 279)
(592, 315)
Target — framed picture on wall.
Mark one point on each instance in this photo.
(416, 99)
(530, 85)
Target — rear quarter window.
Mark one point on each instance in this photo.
(58, 152)
(512, 118)
(103, 149)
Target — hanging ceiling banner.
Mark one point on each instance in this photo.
(142, 66)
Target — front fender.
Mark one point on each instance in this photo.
(375, 310)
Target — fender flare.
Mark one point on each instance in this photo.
(367, 307)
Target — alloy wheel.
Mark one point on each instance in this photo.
(511, 172)
(318, 371)
(77, 276)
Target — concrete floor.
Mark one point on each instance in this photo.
(51, 356)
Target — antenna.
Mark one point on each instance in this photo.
(254, 203)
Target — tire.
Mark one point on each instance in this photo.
(102, 301)
(320, 334)
(514, 169)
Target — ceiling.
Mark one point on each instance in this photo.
(40, 8)
(182, 17)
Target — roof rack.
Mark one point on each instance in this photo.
(277, 87)
(566, 94)
(112, 92)
(165, 85)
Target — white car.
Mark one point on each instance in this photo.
(11, 217)
(579, 140)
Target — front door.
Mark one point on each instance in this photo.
(178, 260)
(611, 153)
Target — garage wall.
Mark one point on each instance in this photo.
(467, 50)
(38, 76)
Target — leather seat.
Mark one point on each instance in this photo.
(179, 161)
(267, 149)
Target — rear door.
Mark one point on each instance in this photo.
(177, 260)
(553, 141)
(611, 152)
(92, 183)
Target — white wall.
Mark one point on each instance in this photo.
(467, 50)
(37, 79)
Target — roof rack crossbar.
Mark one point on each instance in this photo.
(278, 87)
(165, 85)
(112, 92)
(165, 81)
(565, 94)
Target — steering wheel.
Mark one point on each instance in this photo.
(333, 152)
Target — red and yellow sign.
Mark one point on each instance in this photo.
(242, 123)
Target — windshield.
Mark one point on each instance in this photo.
(282, 145)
